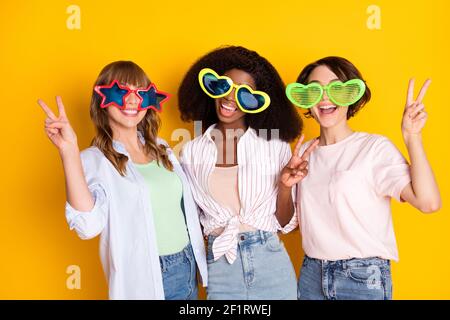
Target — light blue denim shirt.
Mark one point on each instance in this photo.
(122, 215)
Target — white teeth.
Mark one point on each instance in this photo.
(228, 108)
(130, 111)
(327, 107)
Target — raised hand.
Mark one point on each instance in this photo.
(414, 116)
(58, 129)
(297, 167)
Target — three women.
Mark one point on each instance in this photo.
(130, 188)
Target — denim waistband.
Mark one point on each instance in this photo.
(249, 237)
(353, 262)
(169, 259)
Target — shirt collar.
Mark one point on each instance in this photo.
(119, 147)
(250, 133)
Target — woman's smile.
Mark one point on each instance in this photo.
(326, 108)
(227, 109)
(129, 112)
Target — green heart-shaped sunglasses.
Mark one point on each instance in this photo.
(342, 94)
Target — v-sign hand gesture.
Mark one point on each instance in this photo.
(414, 116)
(58, 129)
(297, 167)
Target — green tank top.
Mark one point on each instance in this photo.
(166, 193)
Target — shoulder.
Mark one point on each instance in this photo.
(194, 144)
(380, 149)
(170, 153)
(92, 154)
(162, 141)
(252, 136)
(94, 161)
(305, 145)
(280, 146)
(274, 150)
(375, 141)
(370, 137)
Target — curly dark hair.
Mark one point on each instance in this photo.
(195, 105)
(344, 70)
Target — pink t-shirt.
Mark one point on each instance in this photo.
(344, 202)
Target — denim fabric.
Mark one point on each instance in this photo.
(352, 279)
(261, 271)
(179, 273)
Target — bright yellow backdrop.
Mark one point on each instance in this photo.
(41, 57)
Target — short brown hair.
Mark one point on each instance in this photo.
(344, 70)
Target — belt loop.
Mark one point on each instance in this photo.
(163, 264)
(189, 252)
(262, 236)
(186, 250)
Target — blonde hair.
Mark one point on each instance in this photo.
(130, 73)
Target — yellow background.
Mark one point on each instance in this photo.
(41, 57)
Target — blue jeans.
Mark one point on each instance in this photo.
(261, 271)
(179, 272)
(352, 279)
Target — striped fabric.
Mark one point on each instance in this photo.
(259, 164)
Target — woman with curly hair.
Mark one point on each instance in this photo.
(130, 188)
(242, 171)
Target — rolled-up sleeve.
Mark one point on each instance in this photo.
(89, 224)
(391, 171)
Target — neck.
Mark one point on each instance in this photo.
(236, 125)
(334, 134)
(128, 137)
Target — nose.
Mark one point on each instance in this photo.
(325, 96)
(230, 96)
(132, 99)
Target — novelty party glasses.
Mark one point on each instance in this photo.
(115, 94)
(247, 99)
(342, 94)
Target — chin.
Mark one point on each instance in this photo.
(128, 123)
(328, 124)
(229, 120)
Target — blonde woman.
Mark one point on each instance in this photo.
(129, 188)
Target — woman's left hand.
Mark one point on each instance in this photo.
(297, 167)
(414, 116)
(422, 192)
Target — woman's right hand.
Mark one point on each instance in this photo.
(58, 129)
(297, 167)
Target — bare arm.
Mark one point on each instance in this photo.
(423, 191)
(295, 170)
(61, 134)
(285, 205)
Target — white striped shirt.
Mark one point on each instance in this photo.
(260, 162)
